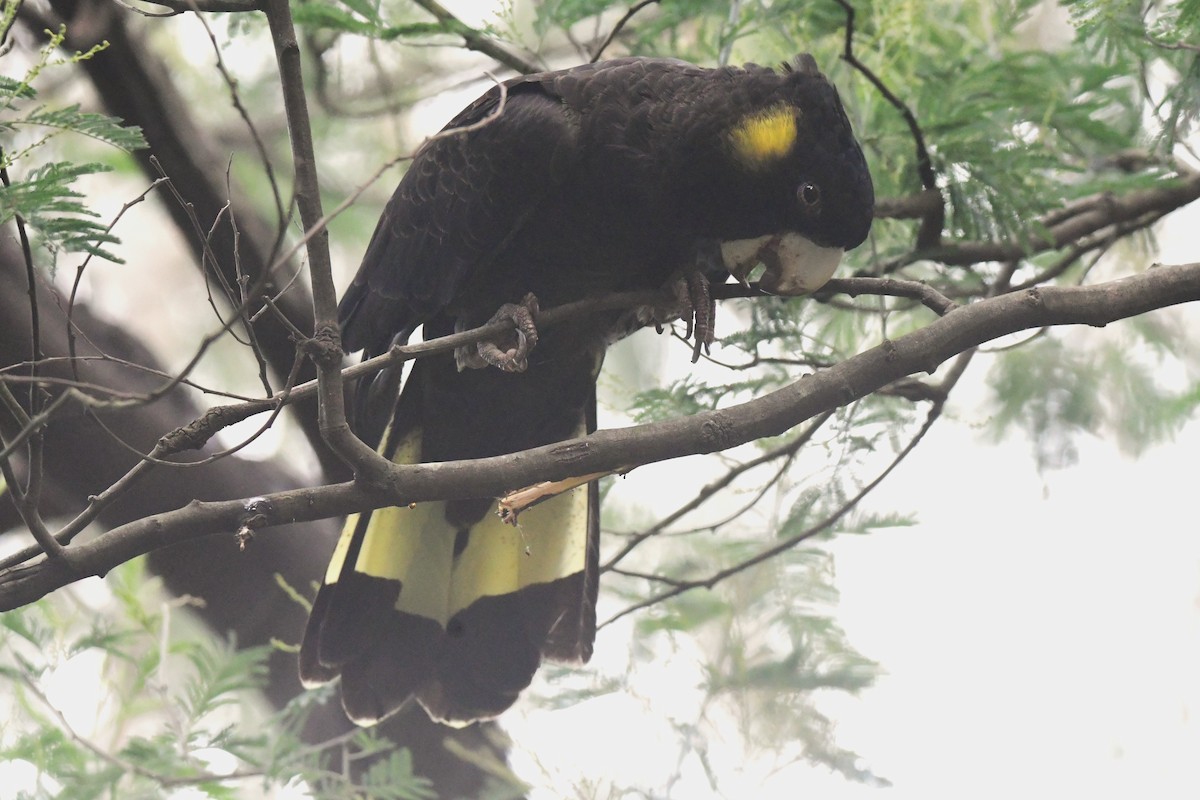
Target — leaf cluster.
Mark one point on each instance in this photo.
(1141, 35)
(169, 709)
(765, 670)
(44, 197)
(1054, 392)
(367, 19)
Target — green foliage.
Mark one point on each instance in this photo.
(685, 614)
(360, 19)
(100, 127)
(44, 198)
(765, 669)
(813, 655)
(391, 778)
(47, 202)
(381, 21)
(1134, 35)
(163, 711)
(1015, 127)
(770, 641)
(1053, 391)
(1013, 130)
(689, 396)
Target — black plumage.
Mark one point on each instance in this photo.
(623, 175)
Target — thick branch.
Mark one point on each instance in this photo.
(771, 415)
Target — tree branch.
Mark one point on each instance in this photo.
(771, 415)
(930, 297)
(474, 40)
(620, 24)
(1062, 229)
(325, 348)
(678, 587)
(180, 6)
(197, 433)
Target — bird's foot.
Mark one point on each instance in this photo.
(702, 321)
(510, 350)
(689, 299)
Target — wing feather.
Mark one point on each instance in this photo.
(464, 195)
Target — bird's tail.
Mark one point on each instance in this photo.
(444, 600)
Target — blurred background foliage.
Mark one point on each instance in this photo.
(1027, 109)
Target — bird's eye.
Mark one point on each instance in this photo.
(809, 195)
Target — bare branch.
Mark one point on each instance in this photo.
(678, 587)
(235, 97)
(773, 414)
(325, 347)
(26, 497)
(930, 297)
(712, 489)
(180, 6)
(71, 332)
(192, 159)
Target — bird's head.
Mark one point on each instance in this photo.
(791, 190)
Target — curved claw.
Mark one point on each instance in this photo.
(703, 317)
(688, 298)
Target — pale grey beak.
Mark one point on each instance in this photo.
(795, 265)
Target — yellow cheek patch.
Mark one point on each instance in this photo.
(765, 137)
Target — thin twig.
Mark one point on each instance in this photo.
(65, 726)
(1134, 210)
(930, 297)
(95, 391)
(37, 422)
(180, 6)
(26, 497)
(930, 232)
(71, 328)
(174, 442)
(712, 489)
(679, 587)
(35, 328)
(612, 34)
(325, 346)
(474, 40)
(235, 96)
